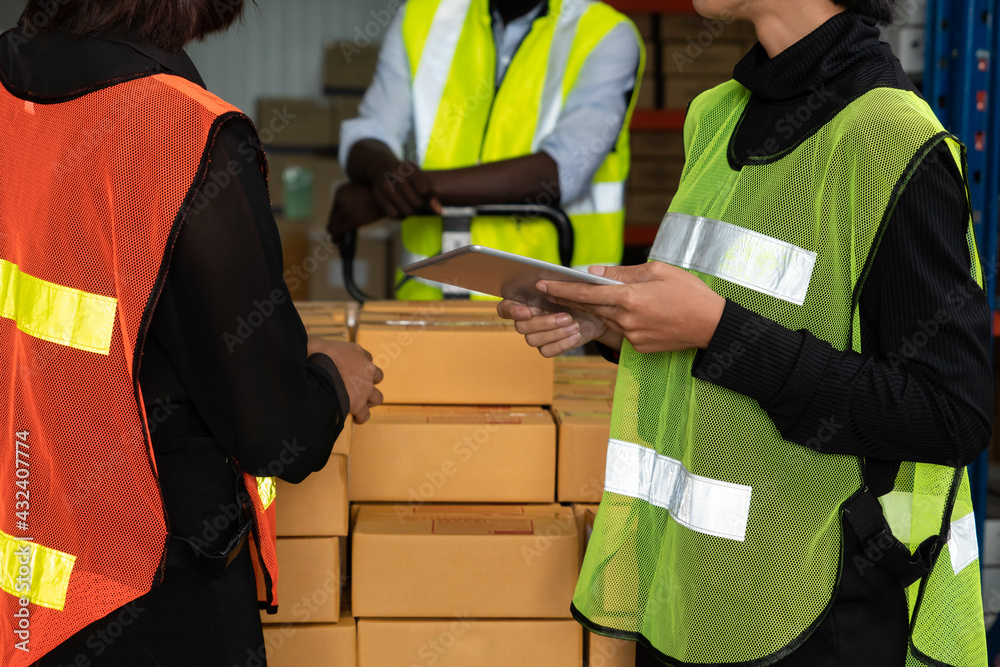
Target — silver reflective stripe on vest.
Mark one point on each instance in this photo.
(601, 198)
(736, 254)
(963, 544)
(552, 93)
(434, 68)
(702, 504)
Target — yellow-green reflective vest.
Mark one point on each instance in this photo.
(461, 119)
(717, 541)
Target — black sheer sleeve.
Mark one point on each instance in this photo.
(921, 390)
(232, 337)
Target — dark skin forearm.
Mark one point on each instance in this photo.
(515, 181)
(519, 180)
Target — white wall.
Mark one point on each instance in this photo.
(277, 50)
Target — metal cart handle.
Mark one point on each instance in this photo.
(348, 242)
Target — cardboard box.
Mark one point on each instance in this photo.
(419, 454)
(658, 144)
(309, 581)
(343, 107)
(584, 515)
(332, 313)
(295, 122)
(647, 91)
(647, 207)
(295, 645)
(600, 388)
(608, 652)
(655, 173)
(583, 454)
(702, 30)
(460, 641)
(686, 57)
(294, 236)
(349, 67)
(682, 88)
(583, 404)
(317, 507)
(374, 265)
(644, 23)
(459, 359)
(607, 373)
(587, 362)
(372, 310)
(501, 561)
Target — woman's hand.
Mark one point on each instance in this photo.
(661, 308)
(554, 333)
(357, 370)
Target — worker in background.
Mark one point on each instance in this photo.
(496, 102)
(804, 372)
(154, 372)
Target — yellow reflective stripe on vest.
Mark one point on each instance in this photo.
(736, 254)
(267, 490)
(32, 571)
(55, 313)
(702, 504)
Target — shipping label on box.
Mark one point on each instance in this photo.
(296, 645)
(458, 640)
(434, 562)
(418, 454)
(309, 581)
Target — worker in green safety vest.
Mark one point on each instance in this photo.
(496, 102)
(804, 372)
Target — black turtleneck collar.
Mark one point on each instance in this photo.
(52, 66)
(803, 87)
(842, 42)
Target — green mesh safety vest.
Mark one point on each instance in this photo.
(717, 541)
(461, 119)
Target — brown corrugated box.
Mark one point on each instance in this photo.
(430, 454)
(686, 57)
(647, 207)
(462, 641)
(502, 561)
(584, 514)
(316, 507)
(583, 404)
(589, 362)
(349, 66)
(655, 173)
(294, 235)
(374, 266)
(309, 581)
(644, 23)
(600, 387)
(703, 30)
(372, 309)
(607, 652)
(454, 359)
(657, 143)
(295, 122)
(647, 92)
(299, 645)
(682, 88)
(583, 453)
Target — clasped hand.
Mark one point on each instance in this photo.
(659, 308)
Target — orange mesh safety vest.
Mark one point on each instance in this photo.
(93, 192)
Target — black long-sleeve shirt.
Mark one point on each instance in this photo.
(224, 372)
(921, 388)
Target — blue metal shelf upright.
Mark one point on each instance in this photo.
(962, 85)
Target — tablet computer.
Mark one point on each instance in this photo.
(498, 273)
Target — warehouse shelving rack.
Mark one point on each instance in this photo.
(962, 85)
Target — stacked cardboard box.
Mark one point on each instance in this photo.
(435, 578)
(657, 163)
(312, 522)
(583, 393)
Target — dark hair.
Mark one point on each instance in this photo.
(883, 11)
(169, 24)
